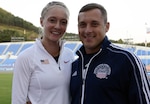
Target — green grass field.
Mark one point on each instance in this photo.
(5, 87)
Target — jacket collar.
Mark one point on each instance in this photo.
(39, 44)
(105, 43)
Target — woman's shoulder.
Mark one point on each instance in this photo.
(27, 52)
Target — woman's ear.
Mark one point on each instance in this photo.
(41, 21)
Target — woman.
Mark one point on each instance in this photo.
(42, 72)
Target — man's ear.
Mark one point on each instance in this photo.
(107, 26)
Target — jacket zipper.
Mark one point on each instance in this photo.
(84, 73)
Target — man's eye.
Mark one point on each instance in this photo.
(82, 25)
(95, 24)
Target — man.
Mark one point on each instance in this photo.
(105, 73)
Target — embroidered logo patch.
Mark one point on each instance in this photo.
(46, 61)
(66, 61)
(102, 71)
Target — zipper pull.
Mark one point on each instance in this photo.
(59, 68)
(83, 81)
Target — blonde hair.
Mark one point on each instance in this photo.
(51, 4)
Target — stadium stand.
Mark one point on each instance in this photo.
(2, 48)
(9, 52)
(13, 48)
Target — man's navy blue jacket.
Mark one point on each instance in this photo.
(110, 76)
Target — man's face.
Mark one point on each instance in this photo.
(92, 29)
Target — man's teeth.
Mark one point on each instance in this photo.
(56, 33)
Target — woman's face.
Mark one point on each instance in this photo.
(54, 23)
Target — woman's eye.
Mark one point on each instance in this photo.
(64, 22)
(52, 20)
